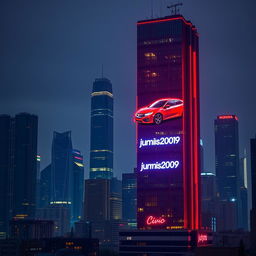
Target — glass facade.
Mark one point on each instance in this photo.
(167, 117)
(61, 173)
(101, 154)
(78, 186)
(227, 157)
(129, 196)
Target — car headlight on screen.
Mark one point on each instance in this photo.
(148, 114)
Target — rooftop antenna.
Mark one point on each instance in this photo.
(174, 8)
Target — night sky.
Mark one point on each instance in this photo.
(52, 50)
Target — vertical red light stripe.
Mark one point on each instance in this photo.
(196, 142)
(191, 139)
(185, 203)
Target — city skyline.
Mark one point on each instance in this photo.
(38, 42)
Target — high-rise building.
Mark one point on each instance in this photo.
(227, 167)
(77, 186)
(45, 187)
(129, 197)
(101, 154)
(243, 191)
(61, 173)
(168, 138)
(5, 165)
(253, 184)
(208, 191)
(18, 167)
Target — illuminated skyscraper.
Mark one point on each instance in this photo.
(168, 138)
(168, 141)
(101, 154)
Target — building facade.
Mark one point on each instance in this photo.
(227, 169)
(18, 167)
(101, 154)
(129, 196)
(168, 142)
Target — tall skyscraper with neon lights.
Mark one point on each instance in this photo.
(167, 117)
(101, 154)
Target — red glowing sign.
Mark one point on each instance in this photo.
(151, 220)
(228, 117)
(202, 238)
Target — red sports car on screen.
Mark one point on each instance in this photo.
(160, 110)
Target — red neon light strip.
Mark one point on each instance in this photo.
(196, 142)
(192, 210)
(184, 142)
(164, 20)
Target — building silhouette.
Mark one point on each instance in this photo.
(129, 197)
(45, 187)
(77, 186)
(101, 154)
(253, 184)
(227, 170)
(18, 167)
(61, 173)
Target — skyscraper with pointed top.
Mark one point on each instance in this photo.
(101, 154)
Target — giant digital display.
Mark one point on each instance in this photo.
(159, 116)
(165, 106)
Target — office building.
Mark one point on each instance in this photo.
(60, 214)
(243, 194)
(18, 167)
(253, 182)
(101, 154)
(61, 168)
(77, 186)
(5, 165)
(31, 229)
(209, 200)
(129, 196)
(45, 187)
(168, 137)
(227, 167)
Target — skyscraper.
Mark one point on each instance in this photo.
(77, 186)
(243, 191)
(61, 168)
(227, 165)
(18, 167)
(129, 196)
(101, 154)
(253, 181)
(167, 141)
(168, 138)
(25, 165)
(45, 187)
(5, 165)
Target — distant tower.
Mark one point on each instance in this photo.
(61, 174)
(77, 186)
(18, 167)
(253, 180)
(227, 163)
(101, 155)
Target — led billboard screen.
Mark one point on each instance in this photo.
(159, 118)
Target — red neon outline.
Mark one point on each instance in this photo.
(183, 146)
(228, 117)
(164, 20)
